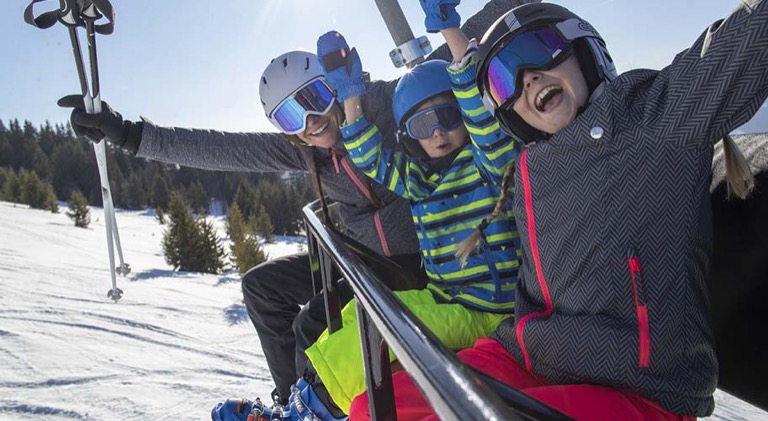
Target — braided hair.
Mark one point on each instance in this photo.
(468, 245)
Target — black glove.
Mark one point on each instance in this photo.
(106, 124)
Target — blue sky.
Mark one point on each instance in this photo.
(188, 63)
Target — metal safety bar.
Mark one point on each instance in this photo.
(454, 390)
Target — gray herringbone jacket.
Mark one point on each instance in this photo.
(615, 222)
(380, 221)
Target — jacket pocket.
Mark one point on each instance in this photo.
(641, 308)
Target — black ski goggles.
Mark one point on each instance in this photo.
(540, 48)
(316, 97)
(445, 117)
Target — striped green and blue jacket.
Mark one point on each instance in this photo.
(449, 205)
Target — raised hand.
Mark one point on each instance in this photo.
(342, 66)
(107, 124)
(440, 14)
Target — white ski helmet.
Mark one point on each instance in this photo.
(284, 76)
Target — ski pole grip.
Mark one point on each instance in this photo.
(45, 20)
(72, 12)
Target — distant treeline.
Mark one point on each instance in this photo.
(66, 164)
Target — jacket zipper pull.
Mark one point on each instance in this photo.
(335, 160)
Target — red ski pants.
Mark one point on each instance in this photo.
(582, 402)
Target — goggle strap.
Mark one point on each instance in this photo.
(573, 29)
(488, 102)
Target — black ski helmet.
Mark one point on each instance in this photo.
(588, 47)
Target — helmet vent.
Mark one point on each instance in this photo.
(285, 62)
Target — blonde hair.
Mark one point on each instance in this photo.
(466, 246)
(737, 172)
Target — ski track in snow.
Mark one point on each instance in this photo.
(173, 346)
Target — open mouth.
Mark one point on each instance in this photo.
(548, 98)
(320, 130)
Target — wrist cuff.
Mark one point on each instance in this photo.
(132, 139)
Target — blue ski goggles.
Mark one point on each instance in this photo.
(445, 117)
(540, 48)
(316, 98)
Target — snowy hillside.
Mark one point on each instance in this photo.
(172, 347)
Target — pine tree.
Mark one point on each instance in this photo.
(235, 224)
(133, 194)
(5, 173)
(210, 253)
(79, 210)
(198, 198)
(67, 161)
(245, 198)
(160, 215)
(159, 192)
(262, 225)
(6, 152)
(36, 193)
(246, 252)
(190, 245)
(180, 236)
(12, 187)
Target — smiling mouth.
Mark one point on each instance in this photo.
(545, 96)
(320, 130)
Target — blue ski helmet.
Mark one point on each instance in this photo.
(421, 83)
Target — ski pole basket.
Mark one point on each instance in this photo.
(455, 391)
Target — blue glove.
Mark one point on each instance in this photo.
(232, 410)
(440, 14)
(342, 66)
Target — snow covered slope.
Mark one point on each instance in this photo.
(170, 349)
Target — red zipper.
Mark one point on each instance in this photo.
(534, 247)
(380, 231)
(335, 159)
(367, 193)
(641, 309)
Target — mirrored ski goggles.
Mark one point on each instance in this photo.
(445, 117)
(316, 97)
(540, 48)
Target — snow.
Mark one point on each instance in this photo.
(173, 346)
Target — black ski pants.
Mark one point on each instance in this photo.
(274, 292)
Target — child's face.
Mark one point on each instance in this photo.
(442, 143)
(551, 98)
(322, 130)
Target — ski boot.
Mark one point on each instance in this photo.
(277, 412)
(303, 405)
(232, 410)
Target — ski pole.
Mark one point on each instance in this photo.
(74, 14)
(91, 13)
